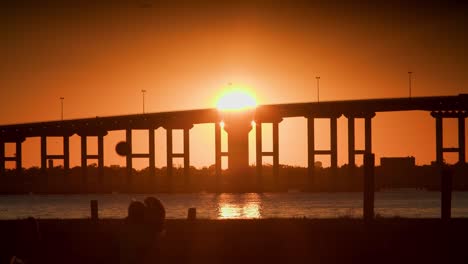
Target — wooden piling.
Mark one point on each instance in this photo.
(446, 193)
(369, 165)
(94, 210)
(192, 213)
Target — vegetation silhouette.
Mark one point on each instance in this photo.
(343, 179)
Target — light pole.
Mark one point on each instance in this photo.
(318, 88)
(143, 95)
(409, 82)
(61, 107)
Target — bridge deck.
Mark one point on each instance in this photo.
(178, 119)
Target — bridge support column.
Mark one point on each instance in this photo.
(186, 157)
(351, 143)
(217, 156)
(237, 127)
(334, 144)
(276, 154)
(446, 173)
(169, 161)
(65, 157)
(44, 155)
(128, 159)
(85, 156)
(259, 156)
(171, 155)
(333, 151)
(368, 134)
(461, 140)
(439, 140)
(100, 158)
(2, 158)
(311, 151)
(260, 153)
(84, 161)
(439, 116)
(352, 152)
(66, 154)
(152, 157)
(19, 159)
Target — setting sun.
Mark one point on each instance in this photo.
(236, 99)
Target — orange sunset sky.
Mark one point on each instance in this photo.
(99, 58)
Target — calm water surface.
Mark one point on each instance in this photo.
(404, 203)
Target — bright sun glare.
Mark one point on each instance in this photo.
(236, 99)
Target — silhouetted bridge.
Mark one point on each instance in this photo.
(237, 125)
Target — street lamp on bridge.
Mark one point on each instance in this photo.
(318, 88)
(143, 95)
(409, 82)
(61, 107)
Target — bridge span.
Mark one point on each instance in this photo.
(237, 126)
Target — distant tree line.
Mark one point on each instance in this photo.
(114, 179)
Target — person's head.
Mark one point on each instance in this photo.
(156, 214)
(136, 212)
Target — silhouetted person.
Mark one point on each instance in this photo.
(154, 218)
(135, 239)
(155, 213)
(28, 241)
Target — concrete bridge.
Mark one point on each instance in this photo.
(237, 126)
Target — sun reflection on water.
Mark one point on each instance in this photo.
(232, 206)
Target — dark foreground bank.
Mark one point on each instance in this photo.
(256, 241)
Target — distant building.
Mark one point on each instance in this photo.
(398, 163)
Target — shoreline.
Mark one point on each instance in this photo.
(402, 203)
(395, 240)
(386, 190)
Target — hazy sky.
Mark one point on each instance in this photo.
(99, 57)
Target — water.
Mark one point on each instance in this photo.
(403, 203)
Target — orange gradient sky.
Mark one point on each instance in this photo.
(100, 58)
